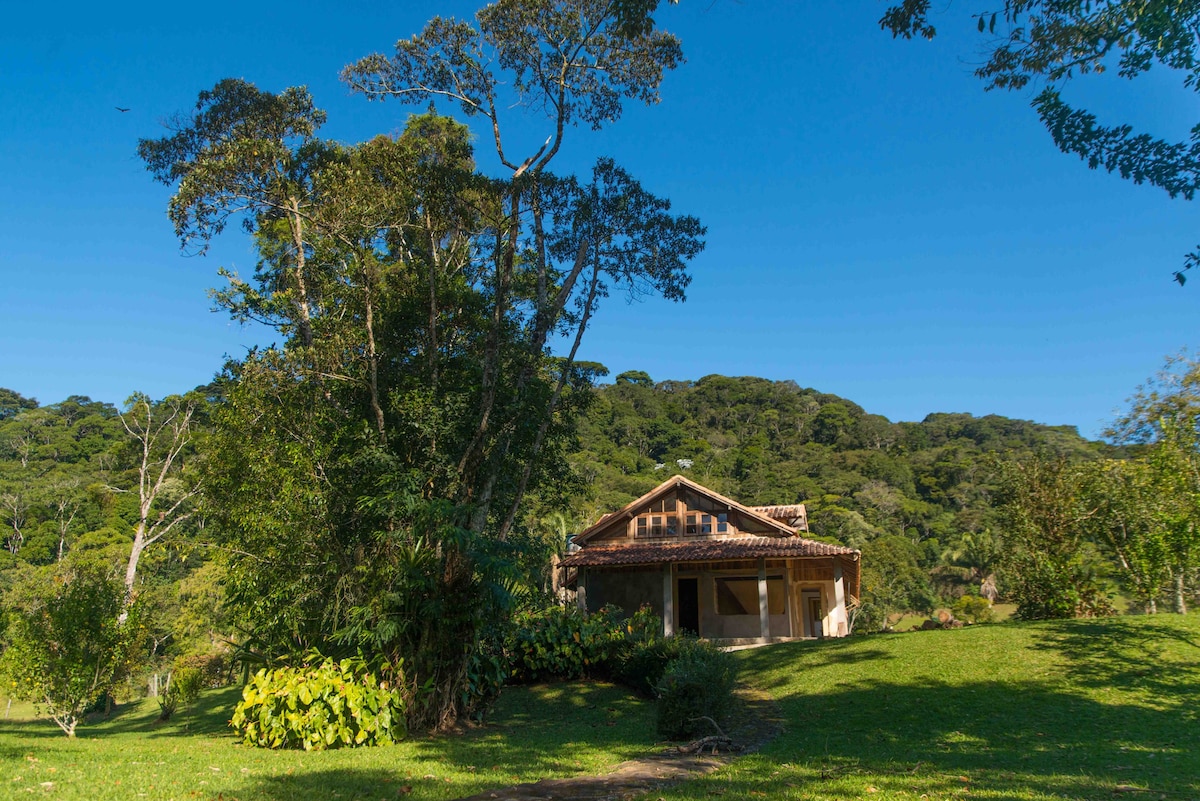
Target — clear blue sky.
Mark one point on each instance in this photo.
(878, 226)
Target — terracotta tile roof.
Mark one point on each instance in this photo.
(657, 553)
(792, 514)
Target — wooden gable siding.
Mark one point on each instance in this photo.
(680, 516)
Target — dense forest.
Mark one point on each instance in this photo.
(909, 494)
(954, 511)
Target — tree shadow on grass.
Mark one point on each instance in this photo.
(208, 716)
(338, 784)
(1155, 655)
(1012, 739)
(553, 730)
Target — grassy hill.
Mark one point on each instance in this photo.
(1076, 709)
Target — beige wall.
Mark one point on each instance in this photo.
(631, 588)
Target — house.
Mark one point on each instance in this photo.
(711, 566)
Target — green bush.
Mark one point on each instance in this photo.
(183, 687)
(215, 666)
(698, 683)
(331, 705)
(67, 646)
(642, 667)
(974, 609)
(563, 643)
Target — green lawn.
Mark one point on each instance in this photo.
(553, 730)
(1079, 709)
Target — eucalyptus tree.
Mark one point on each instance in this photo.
(570, 243)
(160, 435)
(370, 474)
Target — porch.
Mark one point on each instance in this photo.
(731, 602)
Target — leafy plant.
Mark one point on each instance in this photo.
(183, 688)
(695, 685)
(563, 643)
(642, 668)
(68, 643)
(974, 609)
(331, 705)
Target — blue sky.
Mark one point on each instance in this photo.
(879, 227)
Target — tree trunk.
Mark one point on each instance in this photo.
(297, 226)
(139, 545)
(1180, 605)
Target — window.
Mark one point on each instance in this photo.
(672, 527)
(722, 523)
(739, 596)
(706, 524)
(691, 529)
(656, 526)
(641, 527)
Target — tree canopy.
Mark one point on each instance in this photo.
(1047, 44)
(372, 478)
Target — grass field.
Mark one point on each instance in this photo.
(1078, 709)
(554, 730)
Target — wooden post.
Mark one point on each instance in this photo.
(581, 589)
(764, 618)
(838, 618)
(668, 600)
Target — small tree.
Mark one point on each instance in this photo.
(1133, 505)
(1049, 571)
(66, 645)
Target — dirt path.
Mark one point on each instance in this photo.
(756, 721)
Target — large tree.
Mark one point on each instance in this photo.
(372, 474)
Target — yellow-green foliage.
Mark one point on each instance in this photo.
(974, 609)
(331, 705)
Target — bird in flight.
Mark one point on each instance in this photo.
(122, 110)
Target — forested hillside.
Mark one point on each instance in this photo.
(917, 498)
(914, 496)
(69, 492)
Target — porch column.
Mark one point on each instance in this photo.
(764, 619)
(838, 617)
(668, 600)
(581, 589)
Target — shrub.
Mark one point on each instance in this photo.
(215, 666)
(564, 643)
(642, 667)
(974, 609)
(183, 688)
(698, 683)
(331, 705)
